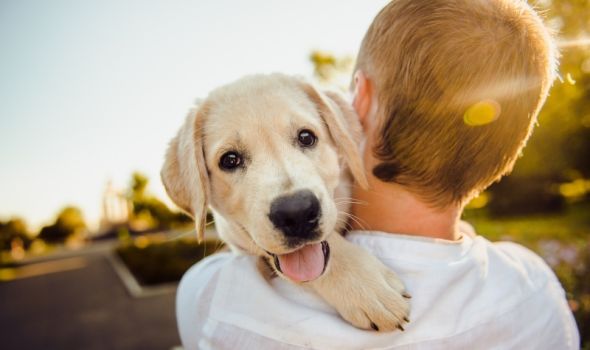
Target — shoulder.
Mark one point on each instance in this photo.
(519, 258)
(513, 257)
(518, 271)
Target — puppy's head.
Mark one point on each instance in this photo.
(266, 154)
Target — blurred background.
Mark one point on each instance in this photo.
(91, 248)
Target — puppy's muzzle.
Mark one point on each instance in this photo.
(296, 215)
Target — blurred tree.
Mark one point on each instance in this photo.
(139, 184)
(331, 70)
(560, 145)
(149, 210)
(69, 221)
(14, 229)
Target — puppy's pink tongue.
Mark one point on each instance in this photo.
(305, 264)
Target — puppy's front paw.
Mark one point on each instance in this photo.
(363, 290)
(380, 303)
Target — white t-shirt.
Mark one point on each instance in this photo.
(469, 294)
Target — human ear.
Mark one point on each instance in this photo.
(363, 97)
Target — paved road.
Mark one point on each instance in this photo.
(84, 306)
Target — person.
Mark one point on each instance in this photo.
(447, 93)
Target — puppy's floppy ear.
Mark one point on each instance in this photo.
(344, 127)
(184, 173)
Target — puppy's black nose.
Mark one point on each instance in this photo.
(296, 215)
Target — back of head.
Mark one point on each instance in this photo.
(459, 84)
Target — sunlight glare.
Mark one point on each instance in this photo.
(567, 43)
(500, 89)
(482, 113)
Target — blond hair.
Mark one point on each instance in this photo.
(432, 62)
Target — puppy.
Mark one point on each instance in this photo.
(273, 158)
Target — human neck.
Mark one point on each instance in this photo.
(389, 207)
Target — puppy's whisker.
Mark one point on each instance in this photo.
(359, 223)
(220, 245)
(347, 225)
(356, 220)
(349, 200)
(180, 235)
(346, 185)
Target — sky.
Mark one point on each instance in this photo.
(91, 91)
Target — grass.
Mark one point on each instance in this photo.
(570, 227)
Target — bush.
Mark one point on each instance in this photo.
(149, 210)
(68, 222)
(15, 229)
(163, 262)
(517, 196)
(580, 302)
(571, 264)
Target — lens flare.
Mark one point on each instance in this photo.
(482, 113)
(567, 43)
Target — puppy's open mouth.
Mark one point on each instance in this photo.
(304, 264)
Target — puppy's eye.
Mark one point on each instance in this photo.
(306, 138)
(230, 161)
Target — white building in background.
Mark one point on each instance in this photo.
(115, 208)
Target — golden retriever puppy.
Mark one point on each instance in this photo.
(273, 158)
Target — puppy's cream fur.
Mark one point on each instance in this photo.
(260, 117)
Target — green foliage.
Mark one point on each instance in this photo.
(580, 293)
(559, 149)
(14, 229)
(329, 69)
(162, 262)
(149, 208)
(516, 195)
(570, 227)
(560, 144)
(139, 184)
(69, 221)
